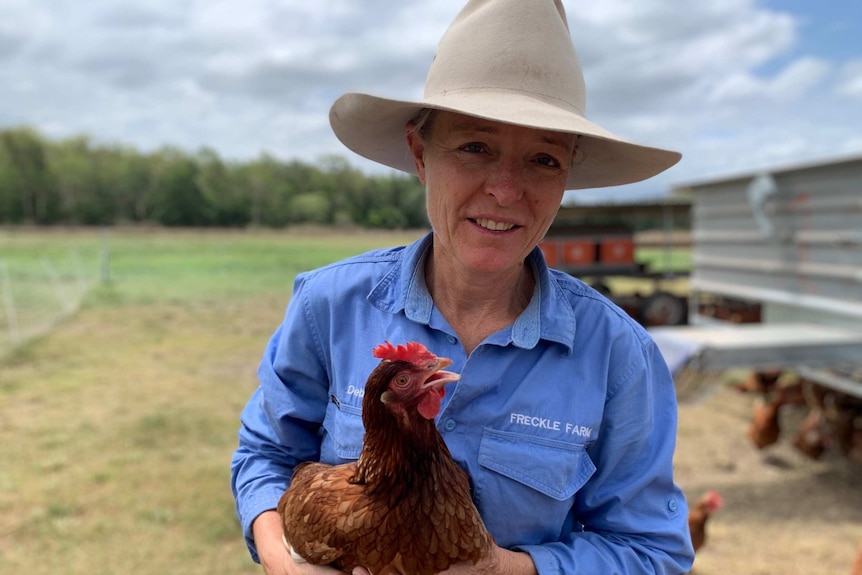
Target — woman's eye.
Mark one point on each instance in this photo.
(548, 161)
(472, 148)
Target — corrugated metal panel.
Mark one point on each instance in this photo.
(697, 355)
(792, 237)
(757, 346)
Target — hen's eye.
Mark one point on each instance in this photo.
(401, 380)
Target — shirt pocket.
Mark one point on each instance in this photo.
(526, 485)
(344, 432)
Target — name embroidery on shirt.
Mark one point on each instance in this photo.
(550, 424)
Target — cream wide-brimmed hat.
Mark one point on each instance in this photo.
(510, 61)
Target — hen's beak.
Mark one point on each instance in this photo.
(440, 377)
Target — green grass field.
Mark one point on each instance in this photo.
(117, 424)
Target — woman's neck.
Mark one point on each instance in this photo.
(477, 305)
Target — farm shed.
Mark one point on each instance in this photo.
(790, 241)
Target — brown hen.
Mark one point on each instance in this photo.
(812, 438)
(700, 514)
(764, 429)
(404, 506)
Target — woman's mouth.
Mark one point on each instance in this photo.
(493, 226)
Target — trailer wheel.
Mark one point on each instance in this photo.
(662, 308)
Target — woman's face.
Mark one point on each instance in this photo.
(492, 188)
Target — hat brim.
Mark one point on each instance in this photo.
(374, 128)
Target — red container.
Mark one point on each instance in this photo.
(579, 252)
(549, 250)
(615, 251)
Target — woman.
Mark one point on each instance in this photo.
(565, 415)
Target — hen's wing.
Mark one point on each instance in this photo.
(327, 519)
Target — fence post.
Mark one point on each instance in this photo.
(62, 298)
(106, 262)
(9, 303)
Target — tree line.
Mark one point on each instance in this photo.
(77, 182)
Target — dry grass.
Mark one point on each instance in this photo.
(117, 428)
(783, 513)
(121, 425)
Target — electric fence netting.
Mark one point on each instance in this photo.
(35, 295)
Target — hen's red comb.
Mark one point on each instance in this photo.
(714, 499)
(411, 351)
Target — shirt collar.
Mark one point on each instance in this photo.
(548, 315)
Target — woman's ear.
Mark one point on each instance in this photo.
(417, 150)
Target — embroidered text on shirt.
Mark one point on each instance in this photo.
(551, 424)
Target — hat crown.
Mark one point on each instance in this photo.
(518, 46)
(509, 61)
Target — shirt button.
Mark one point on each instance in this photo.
(451, 339)
(449, 425)
(671, 505)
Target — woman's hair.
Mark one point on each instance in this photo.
(423, 122)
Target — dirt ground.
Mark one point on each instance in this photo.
(783, 513)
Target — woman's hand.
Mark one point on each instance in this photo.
(276, 559)
(274, 555)
(499, 562)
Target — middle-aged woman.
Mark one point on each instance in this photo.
(565, 414)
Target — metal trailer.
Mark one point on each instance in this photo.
(790, 240)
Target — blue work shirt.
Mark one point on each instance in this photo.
(565, 421)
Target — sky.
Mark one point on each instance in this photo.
(737, 86)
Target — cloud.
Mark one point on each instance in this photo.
(11, 41)
(790, 84)
(724, 81)
(850, 80)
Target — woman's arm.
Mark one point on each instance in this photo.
(280, 423)
(274, 556)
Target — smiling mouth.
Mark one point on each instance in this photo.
(494, 226)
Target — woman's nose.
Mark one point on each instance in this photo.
(505, 182)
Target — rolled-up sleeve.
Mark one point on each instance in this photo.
(279, 426)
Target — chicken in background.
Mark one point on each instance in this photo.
(761, 382)
(843, 412)
(834, 420)
(856, 568)
(814, 434)
(405, 505)
(765, 429)
(699, 514)
(812, 437)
